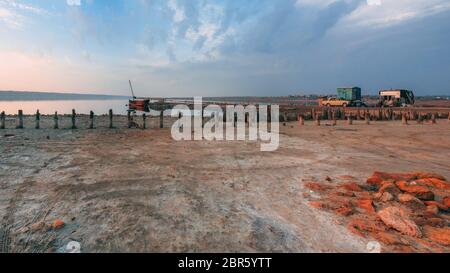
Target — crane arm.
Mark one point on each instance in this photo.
(132, 92)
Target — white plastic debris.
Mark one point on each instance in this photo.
(73, 247)
(374, 247)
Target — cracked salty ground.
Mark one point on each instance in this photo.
(126, 190)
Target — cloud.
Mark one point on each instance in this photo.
(10, 19)
(73, 2)
(179, 14)
(232, 47)
(15, 14)
(387, 13)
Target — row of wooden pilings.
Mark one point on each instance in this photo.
(73, 117)
(379, 114)
(326, 114)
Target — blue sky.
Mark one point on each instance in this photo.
(224, 47)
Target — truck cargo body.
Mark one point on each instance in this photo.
(349, 94)
(396, 98)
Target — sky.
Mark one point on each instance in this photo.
(172, 48)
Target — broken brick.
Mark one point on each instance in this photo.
(438, 235)
(365, 204)
(399, 220)
(352, 187)
(421, 192)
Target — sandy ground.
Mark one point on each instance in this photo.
(124, 190)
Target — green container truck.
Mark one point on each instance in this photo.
(350, 94)
(347, 96)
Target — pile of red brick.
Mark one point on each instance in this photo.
(404, 212)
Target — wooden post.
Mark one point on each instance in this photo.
(301, 122)
(144, 121)
(433, 118)
(367, 118)
(3, 120)
(419, 119)
(38, 120)
(333, 116)
(318, 120)
(91, 120)
(20, 125)
(404, 119)
(203, 116)
(285, 119)
(358, 115)
(129, 119)
(257, 115)
(349, 120)
(55, 119)
(269, 114)
(161, 119)
(74, 117)
(111, 125)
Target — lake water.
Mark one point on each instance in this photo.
(65, 107)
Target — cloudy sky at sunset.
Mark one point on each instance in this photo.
(224, 47)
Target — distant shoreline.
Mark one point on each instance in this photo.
(12, 96)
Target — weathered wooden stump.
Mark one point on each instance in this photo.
(269, 114)
(38, 120)
(301, 121)
(285, 119)
(20, 125)
(334, 119)
(350, 120)
(3, 120)
(111, 116)
(55, 120)
(129, 120)
(419, 119)
(367, 118)
(202, 115)
(257, 115)
(144, 121)
(74, 119)
(318, 120)
(91, 120)
(404, 119)
(433, 118)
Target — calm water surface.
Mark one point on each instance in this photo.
(65, 107)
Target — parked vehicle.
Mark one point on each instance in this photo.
(396, 98)
(347, 97)
(333, 102)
